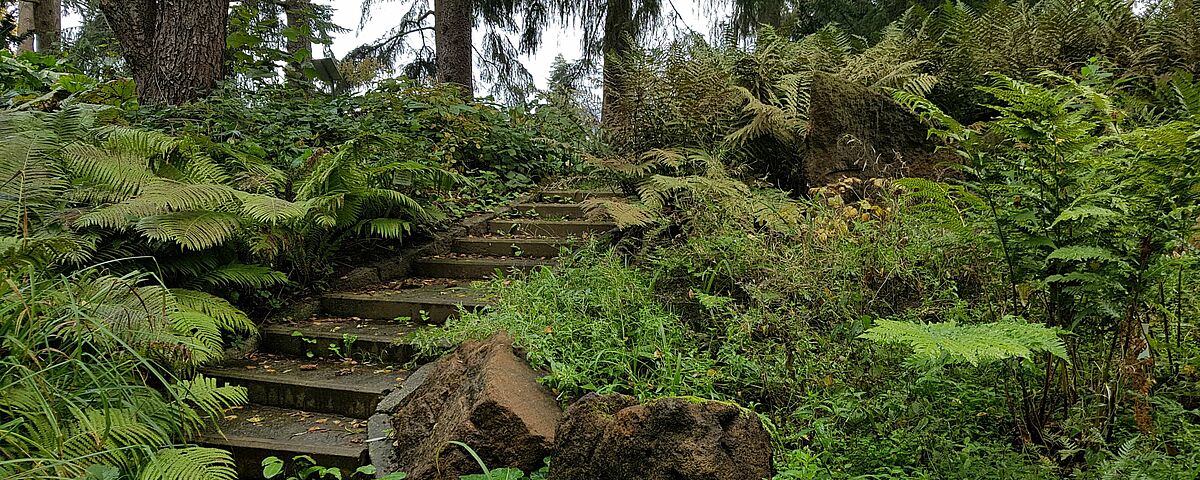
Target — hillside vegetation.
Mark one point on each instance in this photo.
(954, 241)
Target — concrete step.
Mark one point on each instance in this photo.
(550, 210)
(429, 304)
(510, 246)
(337, 338)
(255, 432)
(573, 196)
(315, 385)
(482, 267)
(549, 228)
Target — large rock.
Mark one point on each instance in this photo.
(482, 395)
(614, 437)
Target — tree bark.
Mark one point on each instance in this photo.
(25, 26)
(175, 48)
(47, 25)
(297, 13)
(453, 44)
(618, 42)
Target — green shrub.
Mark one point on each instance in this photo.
(597, 326)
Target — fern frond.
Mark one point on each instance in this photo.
(391, 228)
(205, 332)
(949, 342)
(190, 463)
(270, 210)
(101, 436)
(196, 230)
(1082, 253)
(625, 214)
(229, 317)
(242, 276)
(204, 394)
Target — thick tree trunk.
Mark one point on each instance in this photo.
(25, 26)
(47, 23)
(297, 14)
(175, 48)
(453, 44)
(618, 41)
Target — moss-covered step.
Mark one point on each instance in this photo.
(255, 432)
(370, 340)
(572, 196)
(510, 246)
(476, 268)
(346, 388)
(430, 304)
(548, 228)
(549, 210)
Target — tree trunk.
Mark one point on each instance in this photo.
(297, 13)
(175, 48)
(47, 24)
(25, 26)
(618, 41)
(453, 44)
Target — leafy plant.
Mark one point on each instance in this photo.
(305, 467)
(88, 385)
(1065, 187)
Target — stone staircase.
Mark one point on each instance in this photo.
(312, 384)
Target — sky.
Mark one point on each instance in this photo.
(693, 14)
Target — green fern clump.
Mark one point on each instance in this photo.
(88, 380)
(90, 192)
(755, 103)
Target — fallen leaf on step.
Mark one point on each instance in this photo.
(231, 417)
(254, 419)
(308, 367)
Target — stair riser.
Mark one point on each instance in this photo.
(550, 210)
(248, 459)
(306, 397)
(382, 309)
(361, 348)
(462, 271)
(572, 196)
(547, 229)
(509, 248)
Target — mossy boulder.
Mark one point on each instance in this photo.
(676, 438)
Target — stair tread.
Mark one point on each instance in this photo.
(433, 294)
(520, 206)
(538, 221)
(516, 240)
(502, 261)
(328, 375)
(335, 328)
(289, 430)
(574, 196)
